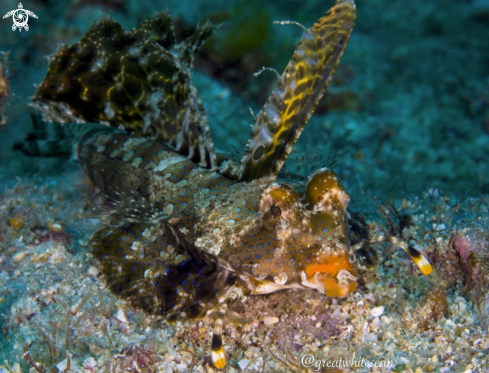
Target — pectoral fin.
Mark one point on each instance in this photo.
(138, 79)
(145, 265)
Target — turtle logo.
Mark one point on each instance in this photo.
(20, 17)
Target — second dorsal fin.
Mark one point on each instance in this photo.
(282, 119)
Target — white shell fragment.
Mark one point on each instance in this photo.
(62, 365)
(243, 363)
(121, 316)
(270, 320)
(377, 311)
(93, 271)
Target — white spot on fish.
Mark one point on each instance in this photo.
(109, 111)
(281, 278)
(115, 153)
(137, 161)
(128, 156)
(168, 209)
(150, 165)
(134, 143)
(160, 153)
(164, 163)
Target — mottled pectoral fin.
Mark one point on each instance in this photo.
(188, 48)
(130, 78)
(282, 119)
(157, 29)
(126, 206)
(145, 265)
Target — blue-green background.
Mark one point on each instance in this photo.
(418, 72)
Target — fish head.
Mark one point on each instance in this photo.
(311, 233)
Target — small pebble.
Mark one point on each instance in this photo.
(17, 222)
(270, 320)
(62, 365)
(17, 257)
(55, 227)
(121, 316)
(182, 367)
(243, 363)
(93, 271)
(377, 311)
(90, 363)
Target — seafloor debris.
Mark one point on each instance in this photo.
(135, 359)
(43, 234)
(32, 294)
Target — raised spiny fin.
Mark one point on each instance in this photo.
(126, 205)
(187, 49)
(418, 258)
(282, 119)
(157, 29)
(145, 266)
(137, 79)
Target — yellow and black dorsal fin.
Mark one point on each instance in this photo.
(288, 109)
(138, 79)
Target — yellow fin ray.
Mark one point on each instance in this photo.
(288, 109)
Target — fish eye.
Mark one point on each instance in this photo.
(275, 211)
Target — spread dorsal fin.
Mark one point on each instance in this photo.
(138, 79)
(288, 109)
(188, 48)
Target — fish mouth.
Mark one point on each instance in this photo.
(331, 275)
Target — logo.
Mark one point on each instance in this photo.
(20, 17)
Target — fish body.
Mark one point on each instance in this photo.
(192, 230)
(261, 231)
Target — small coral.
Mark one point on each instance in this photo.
(135, 359)
(464, 246)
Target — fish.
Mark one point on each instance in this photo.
(191, 228)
